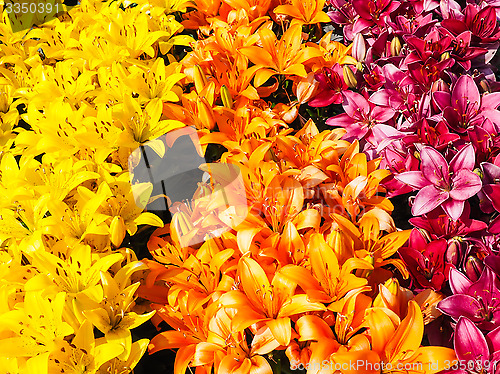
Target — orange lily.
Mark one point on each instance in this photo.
(394, 297)
(266, 303)
(284, 56)
(358, 184)
(370, 243)
(254, 8)
(332, 53)
(304, 12)
(345, 343)
(190, 322)
(397, 344)
(327, 282)
(228, 351)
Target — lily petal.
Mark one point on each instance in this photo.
(470, 344)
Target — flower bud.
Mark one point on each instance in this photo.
(349, 77)
(473, 268)
(227, 99)
(440, 85)
(395, 46)
(4, 102)
(479, 172)
(200, 80)
(485, 86)
(306, 88)
(117, 230)
(205, 113)
(359, 48)
(445, 56)
(453, 252)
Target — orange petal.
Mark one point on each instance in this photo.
(259, 56)
(262, 76)
(390, 243)
(253, 280)
(301, 276)
(408, 335)
(171, 339)
(311, 327)
(433, 359)
(281, 328)
(382, 327)
(299, 304)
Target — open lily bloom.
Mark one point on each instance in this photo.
(172, 169)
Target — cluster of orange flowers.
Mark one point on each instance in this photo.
(308, 269)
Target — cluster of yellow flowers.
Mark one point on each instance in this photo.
(77, 95)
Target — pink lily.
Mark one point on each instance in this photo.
(360, 116)
(476, 353)
(479, 301)
(443, 184)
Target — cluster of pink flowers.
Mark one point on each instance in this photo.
(423, 98)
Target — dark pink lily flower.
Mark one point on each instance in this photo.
(479, 301)
(465, 106)
(331, 86)
(374, 78)
(411, 23)
(443, 184)
(343, 13)
(432, 45)
(425, 261)
(437, 136)
(430, 71)
(439, 225)
(399, 93)
(481, 22)
(476, 353)
(372, 13)
(360, 116)
(482, 139)
(462, 51)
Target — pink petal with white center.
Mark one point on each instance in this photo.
(356, 105)
(453, 208)
(428, 199)
(465, 185)
(464, 159)
(414, 179)
(435, 167)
